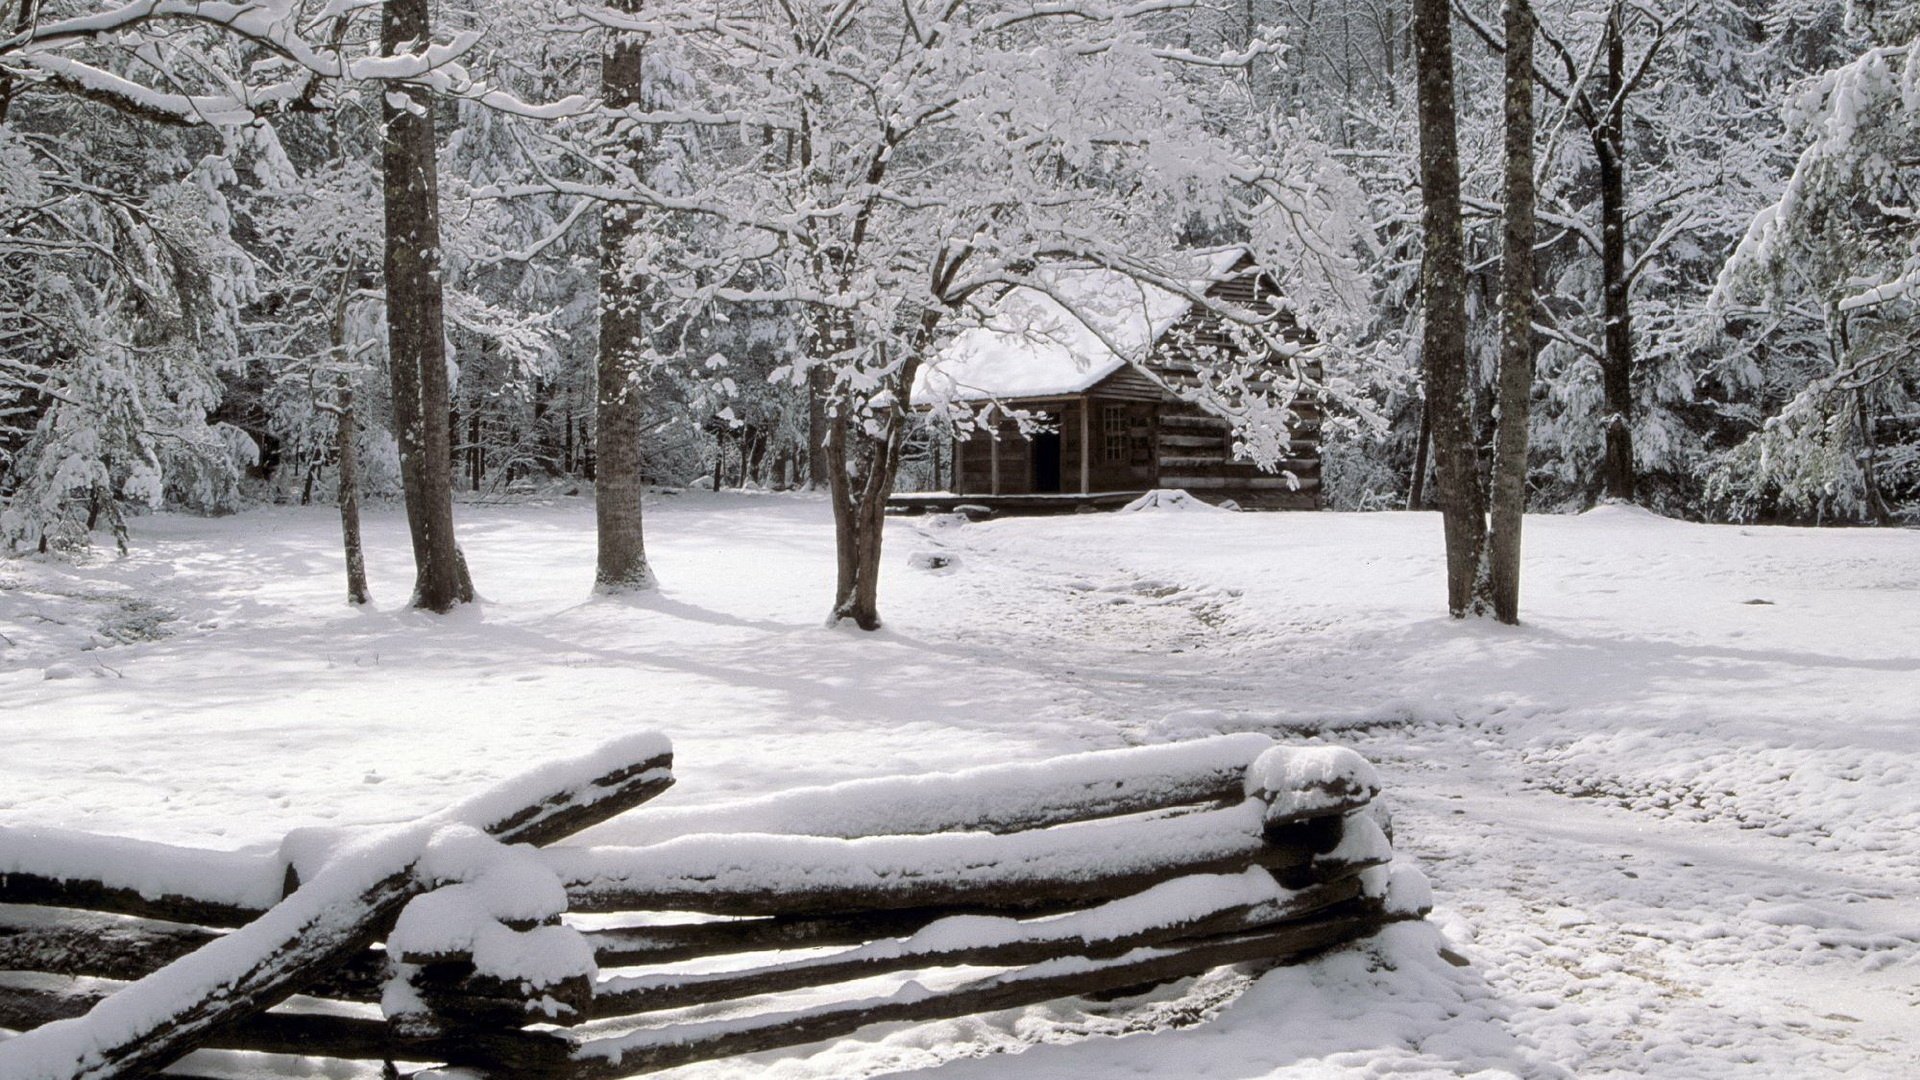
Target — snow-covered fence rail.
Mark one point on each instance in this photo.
(344, 891)
(1096, 872)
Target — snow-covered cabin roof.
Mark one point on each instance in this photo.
(1090, 323)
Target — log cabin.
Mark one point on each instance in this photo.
(1097, 366)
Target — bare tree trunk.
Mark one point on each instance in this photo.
(1516, 321)
(416, 330)
(819, 385)
(1443, 284)
(1417, 488)
(861, 469)
(617, 487)
(345, 445)
(348, 453)
(1616, 369)
(476, 457)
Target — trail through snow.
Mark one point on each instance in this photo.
(1674, 831)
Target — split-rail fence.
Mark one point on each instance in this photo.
(707, 932)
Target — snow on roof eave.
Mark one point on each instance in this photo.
(1092, 376)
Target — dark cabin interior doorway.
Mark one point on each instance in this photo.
(1046, 458)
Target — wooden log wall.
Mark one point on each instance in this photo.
(1195, 451)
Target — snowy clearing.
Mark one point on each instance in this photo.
(1673, 822)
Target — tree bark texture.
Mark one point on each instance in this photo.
(1616, 375)
(1443, 285)
(416, 330)
(1516, 320)
(617, 486)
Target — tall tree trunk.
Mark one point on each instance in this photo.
(617, 487)
(1516, 320)
(416, 330)
(348, 453)
(1443, 284)
(1616, 369)
(819, 387)
(345, 445)
(1417, 488)
(861, 468)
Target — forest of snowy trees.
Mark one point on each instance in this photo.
(297, 250)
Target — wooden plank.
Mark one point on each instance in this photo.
(1043, 941)
(322, 925)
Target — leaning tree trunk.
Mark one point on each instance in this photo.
(1516, 320)
(1443, 282)
(416, 329)
(1616, 365)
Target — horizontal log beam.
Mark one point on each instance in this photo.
(767, 875)
(630, 947)
(1217, 464)
(702, 1041)
(1043, 941)
(21, 888)
(1216, 483)
(994, 798)
(71, 868)
(307, 1034)
(68, 942)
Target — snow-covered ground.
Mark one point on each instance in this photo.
(1673, 822)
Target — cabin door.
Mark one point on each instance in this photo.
(1046, 459)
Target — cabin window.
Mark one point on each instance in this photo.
(1113, 431)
